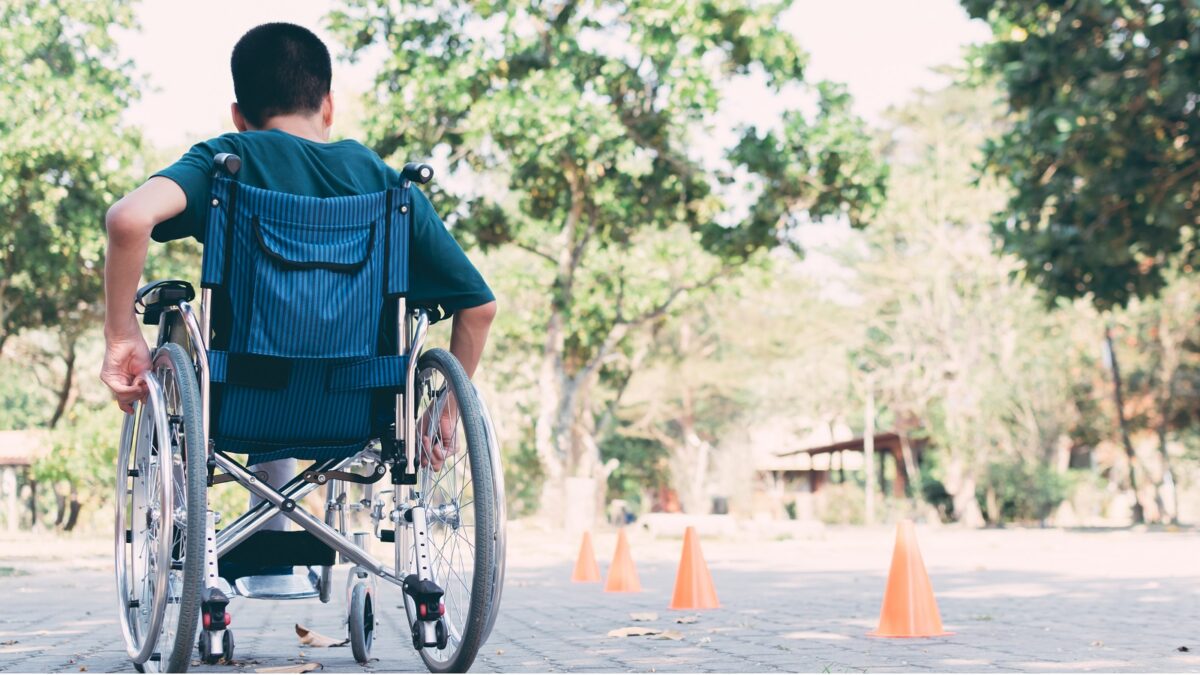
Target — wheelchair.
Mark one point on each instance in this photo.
(321, 360)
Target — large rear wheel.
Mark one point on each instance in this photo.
(461, 513)
(160, 509)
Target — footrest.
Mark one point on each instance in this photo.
(279, 586)
(273, 552)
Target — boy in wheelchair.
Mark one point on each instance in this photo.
(321, 268)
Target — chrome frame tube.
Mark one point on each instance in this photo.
(417, 343)
(420, 530)
(205, 314)
(402, 343)
(257, 516)
(199, 338)
(329, 536)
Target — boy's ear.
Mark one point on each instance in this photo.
(327, 110)
(239, 120)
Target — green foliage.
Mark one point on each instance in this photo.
(819, 168)
(64, 156)
(643, 466)
(1024, 492)
(934, 493)
(523, 475)
(1102, 151)
(842, 504)
(23, 405)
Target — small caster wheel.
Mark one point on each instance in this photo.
(205, 647)
(443, 635)
(418, 641)
(362, 622)
(227, 646)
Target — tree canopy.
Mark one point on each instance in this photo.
(1102, 154)
(581, 124)
(64, 156)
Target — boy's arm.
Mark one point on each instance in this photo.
(129, 223)
(468, 334)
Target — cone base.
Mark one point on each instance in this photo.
(901, 637)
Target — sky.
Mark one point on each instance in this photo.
(881, 49)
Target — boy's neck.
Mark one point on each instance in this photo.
(310, 127)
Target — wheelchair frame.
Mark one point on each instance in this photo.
(180, 323)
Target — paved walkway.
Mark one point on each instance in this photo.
(1017, 600)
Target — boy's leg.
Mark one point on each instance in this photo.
(279, 472)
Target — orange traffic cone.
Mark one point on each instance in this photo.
(909, 608)
(622, 575)
(586, 569)
(693, 584)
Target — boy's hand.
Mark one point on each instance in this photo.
(126, 361)
(438, 443)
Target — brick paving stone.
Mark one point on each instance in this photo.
(1017, 601)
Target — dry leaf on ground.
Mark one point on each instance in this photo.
(302, 668)
(691, 618)
(312, 638)
(633, 631)
(644, 616)
(669, 635)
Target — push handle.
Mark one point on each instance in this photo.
(228, 162)
(417, 172)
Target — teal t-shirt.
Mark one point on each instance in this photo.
(440, 274)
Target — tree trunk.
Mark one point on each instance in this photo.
(68, 383)
(960, 483)
(60, 506)
(910, 466)
(549, 388)
(1138, 514)
(33, 512)
(994, 517)
(869, 450)
(1169, 366)
(73, 511)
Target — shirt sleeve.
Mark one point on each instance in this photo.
(193, 173)
(440, 274)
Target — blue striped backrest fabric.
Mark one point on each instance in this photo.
(306, 279)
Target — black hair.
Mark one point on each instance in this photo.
(279, 69)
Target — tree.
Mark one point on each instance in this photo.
(581, 122)
(1104, 150)
(64, 157)
(961, 349)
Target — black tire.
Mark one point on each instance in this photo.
(459, 656)
(227, 646)
(171, 361)
(362, 623)
(204, 646)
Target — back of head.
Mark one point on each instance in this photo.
(280, 69)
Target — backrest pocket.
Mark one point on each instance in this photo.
(316, 289)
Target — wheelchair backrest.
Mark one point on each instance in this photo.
(301, 372)
(306, 276)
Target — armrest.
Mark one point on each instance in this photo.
(155, 296)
